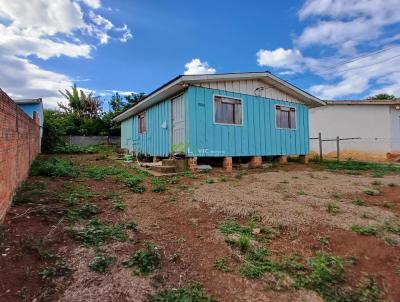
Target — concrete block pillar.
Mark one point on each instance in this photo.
(255, 162)
(283, 159)
(305, 159)
(227, 164)
(192, 163)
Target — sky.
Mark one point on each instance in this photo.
(334, 49)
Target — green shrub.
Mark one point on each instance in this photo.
(53, 166)
(159, 185)
(192, 293)
(358, 202)
(59, 269)
(96, 233)
(243, 243)
(372, 192)
(86, 211)
(134, 184)
(326, 270)
(367, 230)
(101, 262)
(146, 260)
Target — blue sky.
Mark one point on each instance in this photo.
(334, 49)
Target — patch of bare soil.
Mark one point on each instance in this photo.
(295, 198)
(388, 198)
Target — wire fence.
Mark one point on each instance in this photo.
(340, 146)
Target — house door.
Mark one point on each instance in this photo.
(178, 125)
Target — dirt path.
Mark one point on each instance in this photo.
(183, 223)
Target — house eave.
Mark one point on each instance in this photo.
(181, 82)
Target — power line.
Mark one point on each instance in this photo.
(350, 61)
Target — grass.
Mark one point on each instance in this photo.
(366, 230)
(159, 184)
(191, 293)
(221, 265)
(372, 192)
(134, 183)
(53, 167)
(230, 226)
(29, 192)
(73, 193)
(96, 233)
(146, 260)
(86, 211)
(378, 169)
(59, 269)
(392, 227)
(101, 262)
(243, 243)
(75, 149)
(116, 200)
(100, 172)
(332, 208)
(358, 202)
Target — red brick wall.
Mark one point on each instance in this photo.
(19, 146)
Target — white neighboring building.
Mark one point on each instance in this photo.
(375, 122)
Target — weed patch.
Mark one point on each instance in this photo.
(134, 183)
(29, 192)
(192, 293)
(378, 169)
(221, 265)
(53, 167)
(366, 230)
(99, 173)
(159, 184)
(358, 202)
(73, 194)
(86, 211)
(146, 260)
(372, 192)
(59, 269)
(116, 200)
(332, 208)
(96, 233)
(101, 262)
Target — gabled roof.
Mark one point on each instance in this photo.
(183, 81)
(363, 102)
(28, 101)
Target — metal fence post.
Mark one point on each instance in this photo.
(338, 148)
(320, 145)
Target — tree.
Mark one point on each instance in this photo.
(382, 96)
(117, 103)
(81, 104)
(133, 98)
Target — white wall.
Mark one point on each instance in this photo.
(371, 123)
(395, 128)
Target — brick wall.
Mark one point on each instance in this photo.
(19, 146)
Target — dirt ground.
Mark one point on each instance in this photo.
(310, 210)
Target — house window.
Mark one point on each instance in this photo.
(285, 117)
(142, 122)
(227, 110)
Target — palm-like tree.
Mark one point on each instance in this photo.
(81, 104)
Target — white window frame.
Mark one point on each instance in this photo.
(228, 97)
(295, 117)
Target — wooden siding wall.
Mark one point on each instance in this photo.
(156, 141)
(249, 87)
(127, 133)
(258, 134)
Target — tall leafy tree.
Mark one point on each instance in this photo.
(133, 98)
(382, 96)
(80, 104)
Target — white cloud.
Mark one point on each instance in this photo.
(196, 66)
(343, 27)
(290, 59)
(93, 3)
(344, 20)
(47, 29)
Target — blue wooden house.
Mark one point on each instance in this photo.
(220, 115)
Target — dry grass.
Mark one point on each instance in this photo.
(296, 198)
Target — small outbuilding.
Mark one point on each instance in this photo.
(370, 128)
(250, 114)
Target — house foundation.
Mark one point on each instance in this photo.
(283, 159)
(227, 164)
(192, 163)
(255, 162)
(305, 159)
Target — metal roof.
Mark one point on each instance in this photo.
(28, 101)
(363, 102)
(181, 82)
